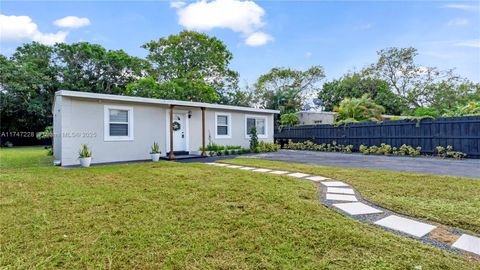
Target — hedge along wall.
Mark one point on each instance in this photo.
(463, 133)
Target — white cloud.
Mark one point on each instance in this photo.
(177, 4)
(463, 7)
(72, 22)
(14, 28)
(308, 54)
(258, 39)
(243, 17)
(457, 22)
(475, 43)
(50, 38)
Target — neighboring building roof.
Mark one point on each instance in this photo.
(67, 93)
(314, 112)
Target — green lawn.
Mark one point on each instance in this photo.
(193, 216)
(448, 200)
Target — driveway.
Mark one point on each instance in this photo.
(466, 167)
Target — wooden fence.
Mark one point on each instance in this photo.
(463, 133)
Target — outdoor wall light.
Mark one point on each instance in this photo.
(189, 114)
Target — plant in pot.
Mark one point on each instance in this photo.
(85, 156)
(155, 152)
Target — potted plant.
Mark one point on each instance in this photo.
(85, 156)
(155, 152)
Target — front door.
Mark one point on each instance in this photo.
(179, 132)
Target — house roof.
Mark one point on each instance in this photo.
(78, 94)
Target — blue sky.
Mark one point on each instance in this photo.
(341, 36)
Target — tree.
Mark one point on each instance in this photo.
(178, 89)
(27, 82)
(355, 85)
(358, 110)
(284, 88)
(193, 56)
(410, 81)
(91, 68)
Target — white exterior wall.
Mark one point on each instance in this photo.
(57, 128)
(82, 122)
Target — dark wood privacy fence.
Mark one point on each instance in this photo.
(463, 133)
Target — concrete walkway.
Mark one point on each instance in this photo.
(466, 167)
(344, 198)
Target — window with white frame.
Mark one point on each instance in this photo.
(259, 122)
(223, 125)
(118, 123)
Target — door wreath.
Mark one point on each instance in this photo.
(176, 126)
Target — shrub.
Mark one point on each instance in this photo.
(49, 150)
(253, 139)
(267, 147)
(364, 149)
(288, 119)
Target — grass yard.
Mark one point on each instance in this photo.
(449, 200)
(189, 216)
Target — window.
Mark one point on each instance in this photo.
(223, 125)
(118, 123)
(260, 122)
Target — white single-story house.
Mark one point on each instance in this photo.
(123, 128)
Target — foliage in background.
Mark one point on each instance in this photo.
(356, 85)
(284, 89)
(358, 110)
(417, 85)
(324, 147)
(426, 112)
(288, 120)
(472, 108)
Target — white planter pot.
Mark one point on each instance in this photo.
(155, 157)
(85, 162)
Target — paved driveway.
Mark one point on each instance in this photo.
(467, 167)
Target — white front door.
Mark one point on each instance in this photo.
(179, 132)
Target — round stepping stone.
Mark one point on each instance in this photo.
(298, 175)
(338, 197)
(406, 225)
(357, 208)
(340, 190)
(334, 184)
(468, 243)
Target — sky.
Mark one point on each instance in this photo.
(340, 36)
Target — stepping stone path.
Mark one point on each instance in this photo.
(406, 225)
(341, 196)
(357, 208)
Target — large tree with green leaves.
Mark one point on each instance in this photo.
(284, 89)
(28, 82)
(417, 85)
(195, 57)
(92, 68)
(30, 77)
(355, 85)
(178, 89)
